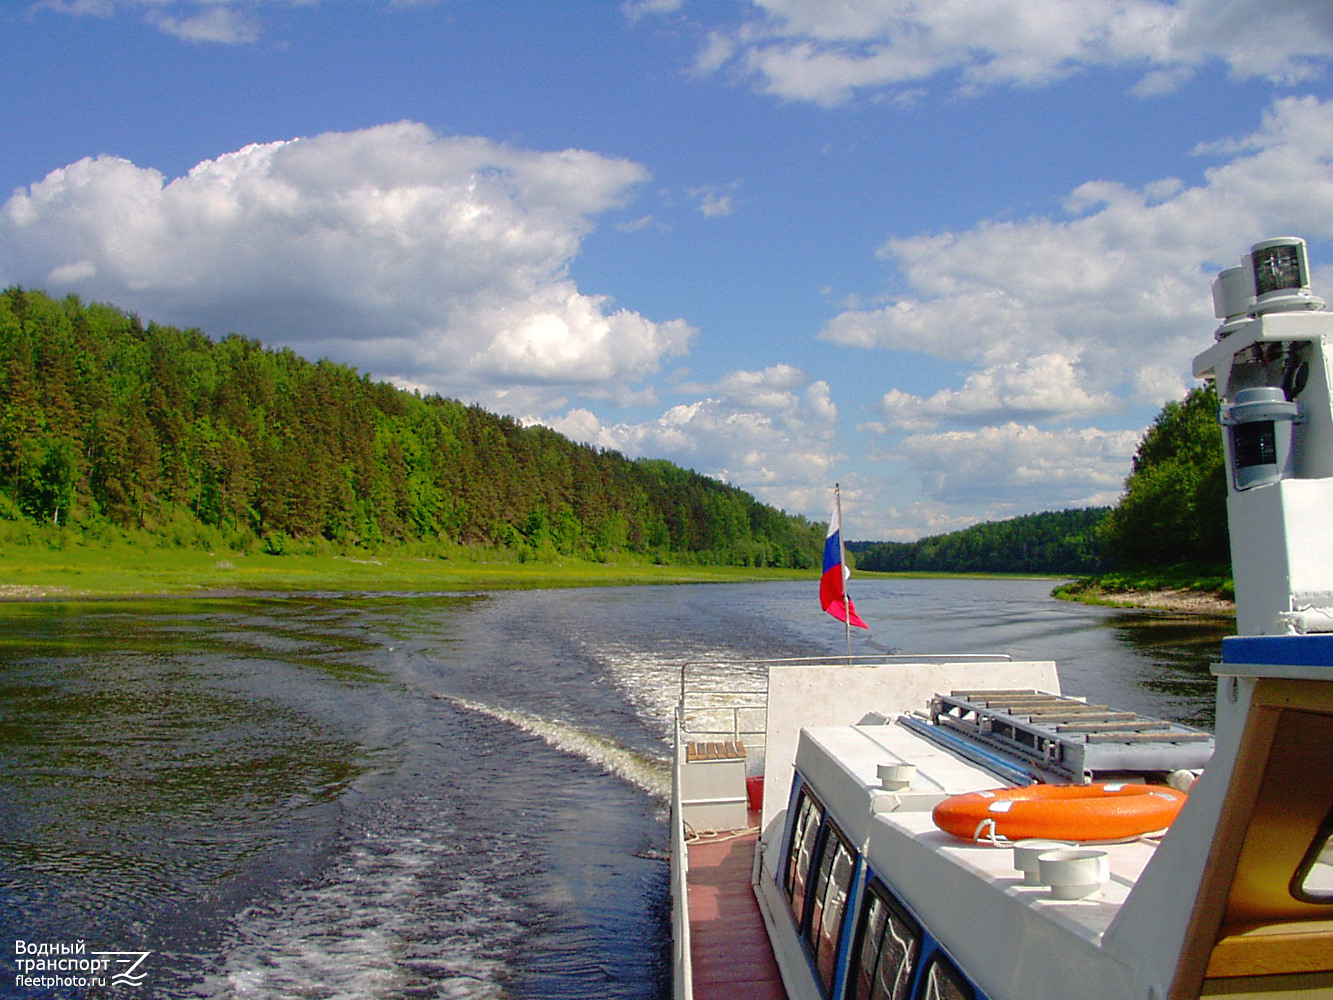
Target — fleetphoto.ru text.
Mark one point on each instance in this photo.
(49, 965)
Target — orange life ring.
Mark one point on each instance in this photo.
(1109, 810)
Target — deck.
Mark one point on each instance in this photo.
(729, 950)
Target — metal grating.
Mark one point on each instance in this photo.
(1068, 736)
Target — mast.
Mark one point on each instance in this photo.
(842, 570)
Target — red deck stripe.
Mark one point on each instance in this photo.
(729, 946)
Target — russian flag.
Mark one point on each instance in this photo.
(832, 585)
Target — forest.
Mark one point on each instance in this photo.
(108, 423)
(1057, 542)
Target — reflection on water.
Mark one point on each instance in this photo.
(428, 796)
(288, 797)
(133, 780)
(1176, 651)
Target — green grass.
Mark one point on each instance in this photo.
(72, 567)
(1104, 588)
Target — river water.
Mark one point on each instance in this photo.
(425, 796)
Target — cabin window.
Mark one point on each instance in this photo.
(944, 982)
(801, 852)
(886, 949)
(1313, 882)
(832, 885)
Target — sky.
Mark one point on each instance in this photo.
(951, 255)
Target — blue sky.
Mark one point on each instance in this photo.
(952, 255)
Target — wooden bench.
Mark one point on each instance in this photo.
(714, 751)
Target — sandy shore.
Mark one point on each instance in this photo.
(1184, 601)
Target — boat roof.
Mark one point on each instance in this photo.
(842, 764)
(931, 870)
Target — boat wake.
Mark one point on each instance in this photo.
(390, 920)
(651, 774)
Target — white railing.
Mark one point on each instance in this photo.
(728, 699)
(683, 967)
(724, 700)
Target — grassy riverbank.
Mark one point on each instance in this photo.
(1177, 589)
(46, 563)
(79, 569)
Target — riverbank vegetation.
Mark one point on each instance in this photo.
(1173, 587)
(147, 459)
(124, 435)
(1168, 534)
(1053, 543)
(48, 562)
(1173, 511)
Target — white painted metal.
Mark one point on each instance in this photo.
(682, 967)
(1281, 542)
(712, 794)
(838, 694)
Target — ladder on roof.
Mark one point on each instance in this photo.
(1068, 736)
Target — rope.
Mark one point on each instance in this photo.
(994, 837)
(693, 836)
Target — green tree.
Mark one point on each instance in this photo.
(1174, 506)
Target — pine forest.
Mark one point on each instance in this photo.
(107, 423)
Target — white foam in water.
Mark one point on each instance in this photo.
(652, 681)
(653, 775)
(361, 932)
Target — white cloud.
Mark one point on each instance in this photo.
(715, 201)
(1114, 296)
(221, 25)
(1045, 388)
(71, 274)
(718, 50)
(442, 261)
(811, 50)
(769, 432)
(1090, 316)
(77, 8)
(1015, 468)
(223, 22)
(915, 520)
(635, 9)
(942, 481)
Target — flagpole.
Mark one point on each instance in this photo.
(842, 571)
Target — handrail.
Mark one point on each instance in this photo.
(683, 966)
(833, 661)
(715, 694)
(724, 710)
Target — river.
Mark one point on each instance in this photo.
(424, 796)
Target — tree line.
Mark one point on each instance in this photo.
(1058, 542)
(107, 421)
